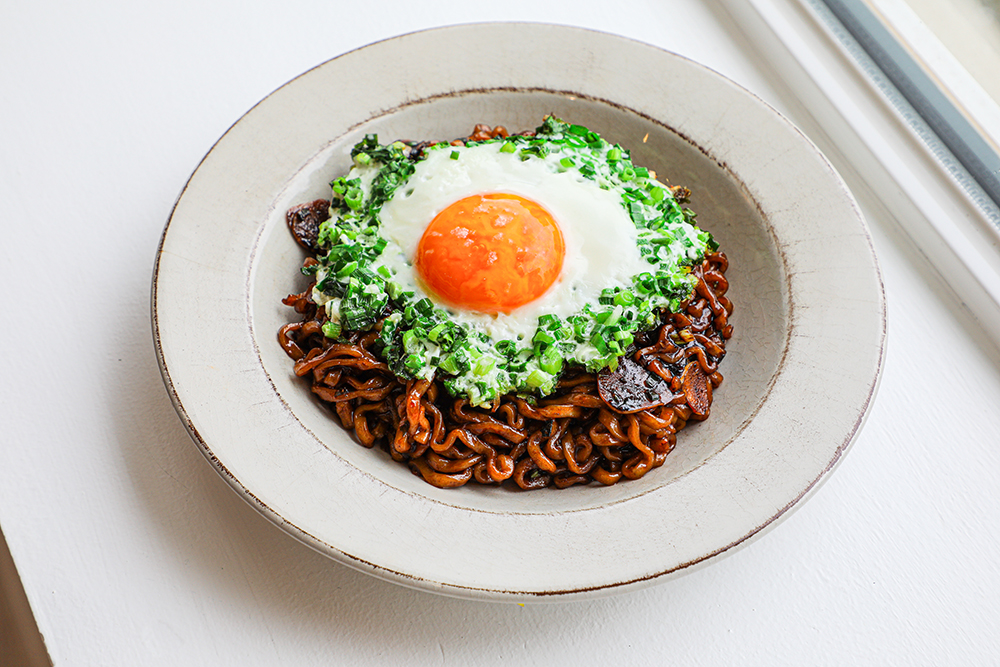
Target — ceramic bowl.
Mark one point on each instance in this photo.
(800, 373)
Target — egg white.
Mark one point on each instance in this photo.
(599, 235)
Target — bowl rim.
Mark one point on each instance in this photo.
(166, 361)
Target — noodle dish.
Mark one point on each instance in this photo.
(531, 306)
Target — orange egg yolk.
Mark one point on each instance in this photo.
(491, 253)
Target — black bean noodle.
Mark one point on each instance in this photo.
(594, 427)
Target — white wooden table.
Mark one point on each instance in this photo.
(133, 551)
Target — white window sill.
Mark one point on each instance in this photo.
(881, 147)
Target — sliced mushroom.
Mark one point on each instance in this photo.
(304, 221)
(697, 389)
(631, 388)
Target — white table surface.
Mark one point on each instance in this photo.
(131, 548)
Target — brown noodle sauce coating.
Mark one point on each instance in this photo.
(601, 427)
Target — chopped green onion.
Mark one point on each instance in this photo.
(506, 347)
(436, 332)
(537, 378)
(483, 365)
(543, 337)
(449, 364)
(414, 363)
(551, 362)
(598, 341)
(425, 306)
(353, 198)
(410, 341)
(624, 298)
(347, 270)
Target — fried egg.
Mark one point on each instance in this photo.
(499, 241)
(494, 265)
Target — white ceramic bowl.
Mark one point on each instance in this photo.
(801, 369)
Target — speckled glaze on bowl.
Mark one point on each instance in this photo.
(809, 317)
